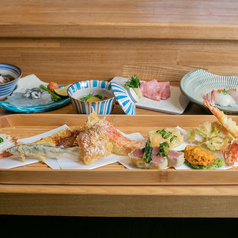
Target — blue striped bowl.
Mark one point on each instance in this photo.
(125, 98)
(7, 88)
(83, 88)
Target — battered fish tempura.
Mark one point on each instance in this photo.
(40, 150)
(121, 144)
(96, 139)
(65, 138)
(93, 144)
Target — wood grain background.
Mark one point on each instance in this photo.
(72, 41)
(71, 60)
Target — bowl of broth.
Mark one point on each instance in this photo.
(90, 95)
(9, 76)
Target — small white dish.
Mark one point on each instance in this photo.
(176, 104)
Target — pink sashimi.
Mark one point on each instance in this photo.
(155, 90)
(157, 158)
(173, 153)
(175, 159)
(138, 152)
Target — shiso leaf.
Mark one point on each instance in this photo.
(216, 164)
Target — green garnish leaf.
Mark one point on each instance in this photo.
(98, 96)
(168, 135)
(133, 82)
(86, 97)
(164, 149)
(216, 164)
(147, 152)
(53, 96)
(223, 91)
(173, 138)
(200, 131)
(1, 140)
(163, 133)
(160, 131)
(216, 130)
(89, 96)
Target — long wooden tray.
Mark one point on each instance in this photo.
(24, 125)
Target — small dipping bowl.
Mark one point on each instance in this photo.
(84, 88)
(7, 88)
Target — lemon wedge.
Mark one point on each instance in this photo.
(62, 91)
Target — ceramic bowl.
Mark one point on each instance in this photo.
(81, 89)
(7, 88)
(196, 84)
(125, 98)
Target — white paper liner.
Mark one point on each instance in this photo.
(15, 161)
(69, 161)
(124, 160)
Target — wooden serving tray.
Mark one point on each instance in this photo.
(26, 125)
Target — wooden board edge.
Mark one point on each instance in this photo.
(127, 177)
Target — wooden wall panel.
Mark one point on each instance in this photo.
(68, 60)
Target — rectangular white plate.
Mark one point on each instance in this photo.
(176, 104)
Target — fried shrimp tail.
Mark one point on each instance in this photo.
(226, 121)
(230, 154)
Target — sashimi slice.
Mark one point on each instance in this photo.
(155, 90)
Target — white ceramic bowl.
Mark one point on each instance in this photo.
(7, 88)
(196, 84)
(83, 88)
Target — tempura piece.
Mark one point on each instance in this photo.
(66, 137)
(121, 144)
(93, 144)
(212, 134)
(40, 150)
(173, 136)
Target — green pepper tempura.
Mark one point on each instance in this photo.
(164, 149)
(147, 152)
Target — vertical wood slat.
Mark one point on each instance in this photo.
(71, 60)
